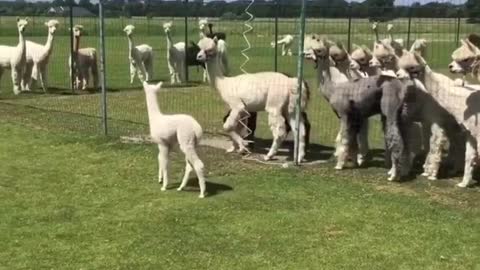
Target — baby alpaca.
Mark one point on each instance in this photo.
(286, 42)
(140, 57)
(15, 58)
(38, 57)
(168, 130)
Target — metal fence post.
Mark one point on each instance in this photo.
(349, 40)
(277, 7)
(300, 82)
(409, 26)
(103, 73)
(73, 57)
(457, 36)
(186, 40)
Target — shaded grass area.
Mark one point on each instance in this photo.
(70, 202)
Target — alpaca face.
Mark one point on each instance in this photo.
(202, 24)
(338, 53)
(77, 30)
(52, 26)
(316, 48)
(360, 57)
(22, 24)
(383, 56)
(208, 49)
(167, 26)
(129, 29)
(412, 63)
(152, 88)
(466, 59)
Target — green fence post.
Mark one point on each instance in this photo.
(277, 7)
(103, 70)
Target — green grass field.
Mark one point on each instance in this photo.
(73, 200)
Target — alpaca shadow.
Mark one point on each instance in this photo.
(212, 188)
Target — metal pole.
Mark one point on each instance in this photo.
(277, 7)
(409, 26)
(457, 37)
(186, 40)
(103, 70)
(73, 56)
(349, 27)
(300, 80)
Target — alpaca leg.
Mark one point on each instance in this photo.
(163, 160)
(133, 72)
(198, 166)
(16, 80)
(181, 72)
(43, 76)
(434, 156)
(205, 76)
(301, 143)
(277, 125)
(95, 74)
(395, 144)
(142, 72)
(148, 69)
(27, 76)
(283, 50)
(362, 140)
(341, 150)
(171, 71)
(1, 73)
(230, 126)
(470, 154)
(186, 176)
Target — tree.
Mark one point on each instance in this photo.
(380, 10)
(473, 11)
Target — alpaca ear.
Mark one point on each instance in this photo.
(340, 46)
(159, 85)
(46, 23)
(27, 19)
(367, 50)
(145, 84)
(18, 19)
(355, 46)
(420, 59)
(215, 39)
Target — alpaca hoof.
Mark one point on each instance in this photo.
(466, 184)
(390, 172)
(179, 189)
(201, 196)
(425, 174)
(392, 178)
(267, 158)
(339, 167)
(432, 178)
(231, 149)
(242, 150)
(163, 189)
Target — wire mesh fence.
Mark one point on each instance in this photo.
(64, 108)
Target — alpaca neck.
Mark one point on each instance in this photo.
(153, 109)
(327, 78)
(21, 45)
(169, 40)
(76, 44)
(49, 44)
(131, 45)
(214, 71)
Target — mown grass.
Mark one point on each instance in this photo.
(71, 201)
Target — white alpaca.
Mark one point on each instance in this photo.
(221, 48)
(272, 92)
(85, 62)
(286, 42)
(461, 102)
(169, 130)
(15, 58)
(175, 57)
(140, 57)
(38, 57)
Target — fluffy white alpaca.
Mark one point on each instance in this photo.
(38, 57)
(286, 42)
(221, 48)
(15, 58)
(85, 62)
(175, 56)
(169, 130)
(140, 57)
(272, 92)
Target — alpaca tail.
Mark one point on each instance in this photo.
(304, 98)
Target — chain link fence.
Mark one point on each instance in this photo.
(64, 109)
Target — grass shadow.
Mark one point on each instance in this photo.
(212, 188)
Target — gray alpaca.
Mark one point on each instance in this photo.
(355, 102)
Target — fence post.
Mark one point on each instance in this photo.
(457, 36)
(277, 7)
(103, 71)
(73, 56)
(349, 40)
(409, 26)
(300, 82)
(186, 39)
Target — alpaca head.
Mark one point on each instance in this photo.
(152, 88)
(466, 59)
(316, 47)
(383, 56)
(167, 27)
(129, 29)
(52, 26)
(202, 23)
(412, 64)
(338, 53)
(360, 57)
(22, 24)
(208, 49)
(419, 46)
(77, 30)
